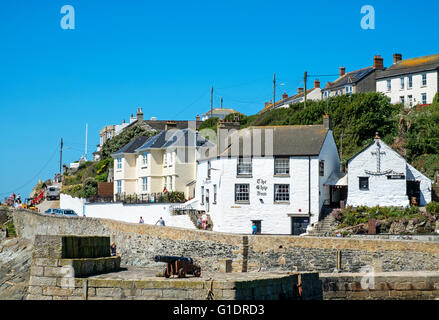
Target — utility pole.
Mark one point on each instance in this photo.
(221, 102)
(274, 88)
(305, 78)
(86, 130)
(60, 160)
(211, 102)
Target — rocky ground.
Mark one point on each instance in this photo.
(15, 261)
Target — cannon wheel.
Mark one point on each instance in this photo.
(181, 273)
(197, 272)
(166, 272)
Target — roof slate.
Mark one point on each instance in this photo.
(131, 146)
(412, 65)
(350, 78)
(302, 140)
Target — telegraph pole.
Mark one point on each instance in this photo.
(60, 159)
(221, 102)
(305, 78)
(211, 102)
(274, 88)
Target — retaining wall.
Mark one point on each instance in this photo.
(138, 244)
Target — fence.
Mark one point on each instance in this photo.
(159, 197)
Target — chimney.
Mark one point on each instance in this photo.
(342, 71)
(123, 121)
(316, 83)
(327, 123)
(223, 131)
(197, 118)
(299, 90)
(378, 63)
(377, 136)
(284, 96)
(170, 125)
(139, 115)
(397, 57)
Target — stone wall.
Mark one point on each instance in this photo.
(138, 244)
(381, 286)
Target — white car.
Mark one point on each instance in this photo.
(52, 193)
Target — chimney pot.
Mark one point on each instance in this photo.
(378, 63)
(397, 57)
(342, 71)
(299, 90)
(284, 95)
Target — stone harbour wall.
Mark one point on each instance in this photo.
(381, 286)
(138, 244)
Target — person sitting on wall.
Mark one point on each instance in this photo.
(204, 221)
(141, 220)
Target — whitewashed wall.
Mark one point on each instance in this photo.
(126, 213)
(383, 191)
(417, 89)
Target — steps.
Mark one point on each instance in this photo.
(324, 226)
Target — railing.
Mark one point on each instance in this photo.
(159, 197)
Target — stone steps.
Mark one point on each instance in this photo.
(324, 225)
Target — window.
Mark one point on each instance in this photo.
(242, 192)
(244, 166)
(364, 183)
(119, 186)
(209, 168)
(424, 98)
(424, 79)
(119, 163)
(321, 168)
(171, 159)
(202, 195)
(165, 182)
(410, 85)
(171, 183)
(281, 166)
(165, 159)
(402, 83)
(281, 192)
(144, 184)
(410, 100)
(145, 159)
(402, 99)
(214, 193)
(389, 85)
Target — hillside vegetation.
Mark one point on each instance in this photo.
(414, 133)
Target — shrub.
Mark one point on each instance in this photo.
(433, 208)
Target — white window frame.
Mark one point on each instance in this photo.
(282, 192)
(424, 98)
(144, 184)
(202, 194)
(244, 166)
(118, 163)
(214, 193)
(119, 187)
(424, 79)
(410, 82)
(279, 166)
(242, 193)
(389, 85)
(402, 82)
(145, 159)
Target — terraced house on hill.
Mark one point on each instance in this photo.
(361, 80)
(166, 161)
(410, 81)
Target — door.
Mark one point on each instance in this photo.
(299, 225)
(207, 200)
(258, 226)
(414, 192)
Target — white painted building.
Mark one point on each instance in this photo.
(273, 176)
(379, 176)
(411, 81)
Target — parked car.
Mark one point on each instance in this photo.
(52, 193)
(51, 211)
(67, 212)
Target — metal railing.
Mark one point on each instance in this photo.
(158, 197)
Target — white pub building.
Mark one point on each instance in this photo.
(272, 176)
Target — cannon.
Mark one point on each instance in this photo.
(180, 266)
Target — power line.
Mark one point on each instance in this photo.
(34, 177)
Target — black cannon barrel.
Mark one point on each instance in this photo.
(170, 259)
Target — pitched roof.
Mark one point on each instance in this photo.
(349, 78)
(412, 65)
(286, 100)
(225, 111)
(160, 125)
(175, 138)
(301, 140)
(131, 146)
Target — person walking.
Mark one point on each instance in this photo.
(161, 222)
(254, 228)
(199, 223)
(141, 220)
(204, 221)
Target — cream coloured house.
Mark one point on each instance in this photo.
(166, 161)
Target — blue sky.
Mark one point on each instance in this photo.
(165, 56)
